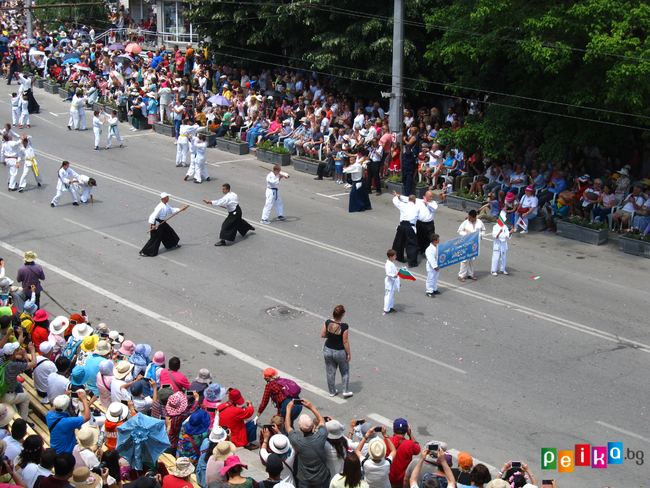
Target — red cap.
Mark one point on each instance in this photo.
(235, 397)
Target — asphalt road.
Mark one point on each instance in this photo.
(500, 367)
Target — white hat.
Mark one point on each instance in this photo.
(164, 195)
(58, 325)
(81, 331)
(62, 402)
(45, 347)
(115, 337)
(623, 171)
(10, 348)
(117, 412)
(217, 434)
(279, 443)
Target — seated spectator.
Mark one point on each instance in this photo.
(112, 474)
(63, 468)
(465, 463)
(44, 468)
(632, 202)
(527, 209)
(232, 416)
(101, 352)
(177, 412)
(207, 448)
(553, 212)
(212, 395)
(43, 369)
(605, 203)
(7, 469)
(587, 201)
(180, 476)
(217, 461)
(6, 416)
(104, 380)
(173, 377)
(122, 381)
(311, 468)
(232, 470)
(62, 426)
(556, 186)
(479, 476)
(140, 359)
(14, 360)
(41, 330)
(377, 466)
(491, 210)
(192, 434)
(142, 404)
(274, 467)
(85, 452)
(57, 383)
(116, 414)
(15, 440)
(350, 476)
(201, 382)
(30, 456)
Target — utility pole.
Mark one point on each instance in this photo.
(28, 18)
(396, 97)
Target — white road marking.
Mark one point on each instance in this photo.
(626, 432)
(467, 291)
(120, 240)
(52, 113)
(8, 196)
(44, 120)
(175, 325)
(370, 336)
(217, 163)
(327, 196)
(454, 452)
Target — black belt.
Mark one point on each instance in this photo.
(407, 222)
(357, 181)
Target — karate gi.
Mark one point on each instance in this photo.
(425, 225)
(467, 266)
(74, 121)
(63, 184)
(15, 110)
(197, 165)
(432, 263)
(273, 198)
(405, 237)
(12, 153)
(499, 247)
(184, 133)
(163, 233)
(29, 165)
(391, 285)
(97, 130)
(83, 188)
(234, 222)
(113, 131)
(81, 108)
(24, 112)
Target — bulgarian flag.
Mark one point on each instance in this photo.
(502, 219)
(406, 274)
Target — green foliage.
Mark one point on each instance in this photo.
(586, 223)
(395, 179)
(637, 234)
(464, 193)
(421, 184)
(265, 145)
(280, 150)
(87, 14)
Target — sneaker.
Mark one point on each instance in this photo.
(336, 392)
(505, 273)
(347, 394)
(524, 232)
(437, 293)
(281, 218)
(20, 190)
(348, 185)
(52, 205)
(76, 204)
(45, 400)
(29, 126)
(493, 273)
(392, 310)
(430, 295)
(264, 222)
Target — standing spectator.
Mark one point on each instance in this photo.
(31, 274)
(311, 467)
(14, 361)
(447, 474)
(232, 416)
(336, 351)
(350, 476)
(405, 450)
(430, 465)
(217, 461)
(377, 466)
(62, 426)
(336, 448)
(180, 476)
(232, 471)
(279, 444)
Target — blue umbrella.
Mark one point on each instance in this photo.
(4, 39)
(72, 60)
(219, 100)
(142, 439)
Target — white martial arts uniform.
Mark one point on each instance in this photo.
(24, 84)
(499, 247)
(24, 112)
(113, 131)
(432, 263)
(273, 198)
(197, 165)
(97, 130)
(81, 110)
(74, 121)
(15, 109)
(391, 285)
(184, 133)
(63, 184)
(467, 266)
(162, 212)
(29, 165)
(12, 153)
(83, 188)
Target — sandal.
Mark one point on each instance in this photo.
(460, 278)
(472, 277)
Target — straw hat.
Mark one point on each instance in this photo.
(184, 468)
(83, 477)
(224, 450)
(87, 436)
(122, 369)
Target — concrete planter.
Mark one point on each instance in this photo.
(582, 234)
(239, 148)
(305, 166)
(420, 191)
(392, 186)
(63, 93)
(50, 88)
(98, 107)
(273, 158)
(537, 224)
(465, 204)
(168, 130)
(39, 82)
(144, 123)
(210, 138)
(634, 246)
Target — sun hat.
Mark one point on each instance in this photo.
(103, 328)
(158, 358)
(117, 412)
(224, 450)
(78, 376)
(103, 348)
(204, 376)
(82, 476)
(270, 372)
(10, 348)
(217, 434)
(443, 446)
(279, 443)
(89, 343)
(465, 461)
(214, 392)
(5, 416)
(176, 403)
(115, 337)
(529, 188)
(584, 178)
(334, 429)
(235, 397)
(510, 197)
(623, 171)
(377, 449)
(87, 436)
(58, 325)
(305, 423)
(45, 347)
(61, 403)
(231, 462)
(128, 348)
(140, 356)
(30, 308)
(198, 423)
(498, 483)
(41, 315)
(30, 257)
(106, 367)
(184, 467)
(122, 369)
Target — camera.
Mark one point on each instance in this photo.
(98, 469)
(432, 448)
(151, 474)
(516, 464)
(5, 459)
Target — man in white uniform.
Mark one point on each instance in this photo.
(433, 271)
(65, 180)
(161, 232)
(470, 225)
(405, 237)
(29, 164)
(15, 108)
(184, 133)
(234, 222)
(272, 195)
(425, 225)
(12, 153)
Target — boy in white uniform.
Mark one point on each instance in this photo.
(12, 153)
(184, 133)
(433, 271)
(24, 112)
(29, 163)
(501, 234)
(84, 187)
(272, 195)
(113, 130)
(15, 108)
(97, 128)
(391, 282)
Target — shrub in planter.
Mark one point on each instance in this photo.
(583, 230)
(462, 200)
(634, 241)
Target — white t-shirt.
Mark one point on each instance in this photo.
(117, 393)
(435, 158)
(529, 202)
(376, 474)
(42, 372)
(33, 471)
(56, 385)
(14, 448)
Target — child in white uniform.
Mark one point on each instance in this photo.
(113, 130)
(97, 128)
(24, 112)
(433, 271)
(501, 234)
(15, 108)
(391, 282)
(30, 164)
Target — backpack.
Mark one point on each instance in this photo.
(70, 349)
(289, 387)
(566, 197)
(4, 387)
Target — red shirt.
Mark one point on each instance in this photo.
(171, 481)
(406, 449)
(180, 378)
(39, 335)
(233, 417)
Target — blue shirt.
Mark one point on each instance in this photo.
(156, 61)
(63, 438)
(92, 368)
(560, 185)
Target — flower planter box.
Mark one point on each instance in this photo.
(39, 82)
(63, 93)
(274, 158)
(50, 88)
(210, 138)
(392, 186)
(239, 148)
(144, 123)
(305, 166)
(582, 234)
(538, 224)
(420, 191)
(465, 204)
(98, 107)
(168, 130)
(634, 246)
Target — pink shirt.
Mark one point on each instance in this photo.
(180, 378)
(104, 389)
(386, 141)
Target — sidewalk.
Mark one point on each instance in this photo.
(256, 469)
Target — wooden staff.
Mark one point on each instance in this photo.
(264, 167)
(172, 215)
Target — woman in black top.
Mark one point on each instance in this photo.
(336, 351)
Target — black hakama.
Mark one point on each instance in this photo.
(405, 239)
(234, 223)
(32, 106)
(424, 231)
(163, 233)
(359, 200)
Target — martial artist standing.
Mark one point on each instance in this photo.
(84, 187)
(197, 165)
(113, 130)
(73, 121)
(81, 109)
(425, 225)
(472, 224)
(391, 281)
(184, 133)
(405, 237)
(29, 164)
(501, 234)
(97, 128)
(161, 232)
(67, 177)
(234, 222)
(433, 271)
(12, 153)
(272, 195)
(24, 112)
(15, 108)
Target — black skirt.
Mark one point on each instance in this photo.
(163, 233)
(234, 223)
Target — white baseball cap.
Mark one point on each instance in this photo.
(164, 195)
